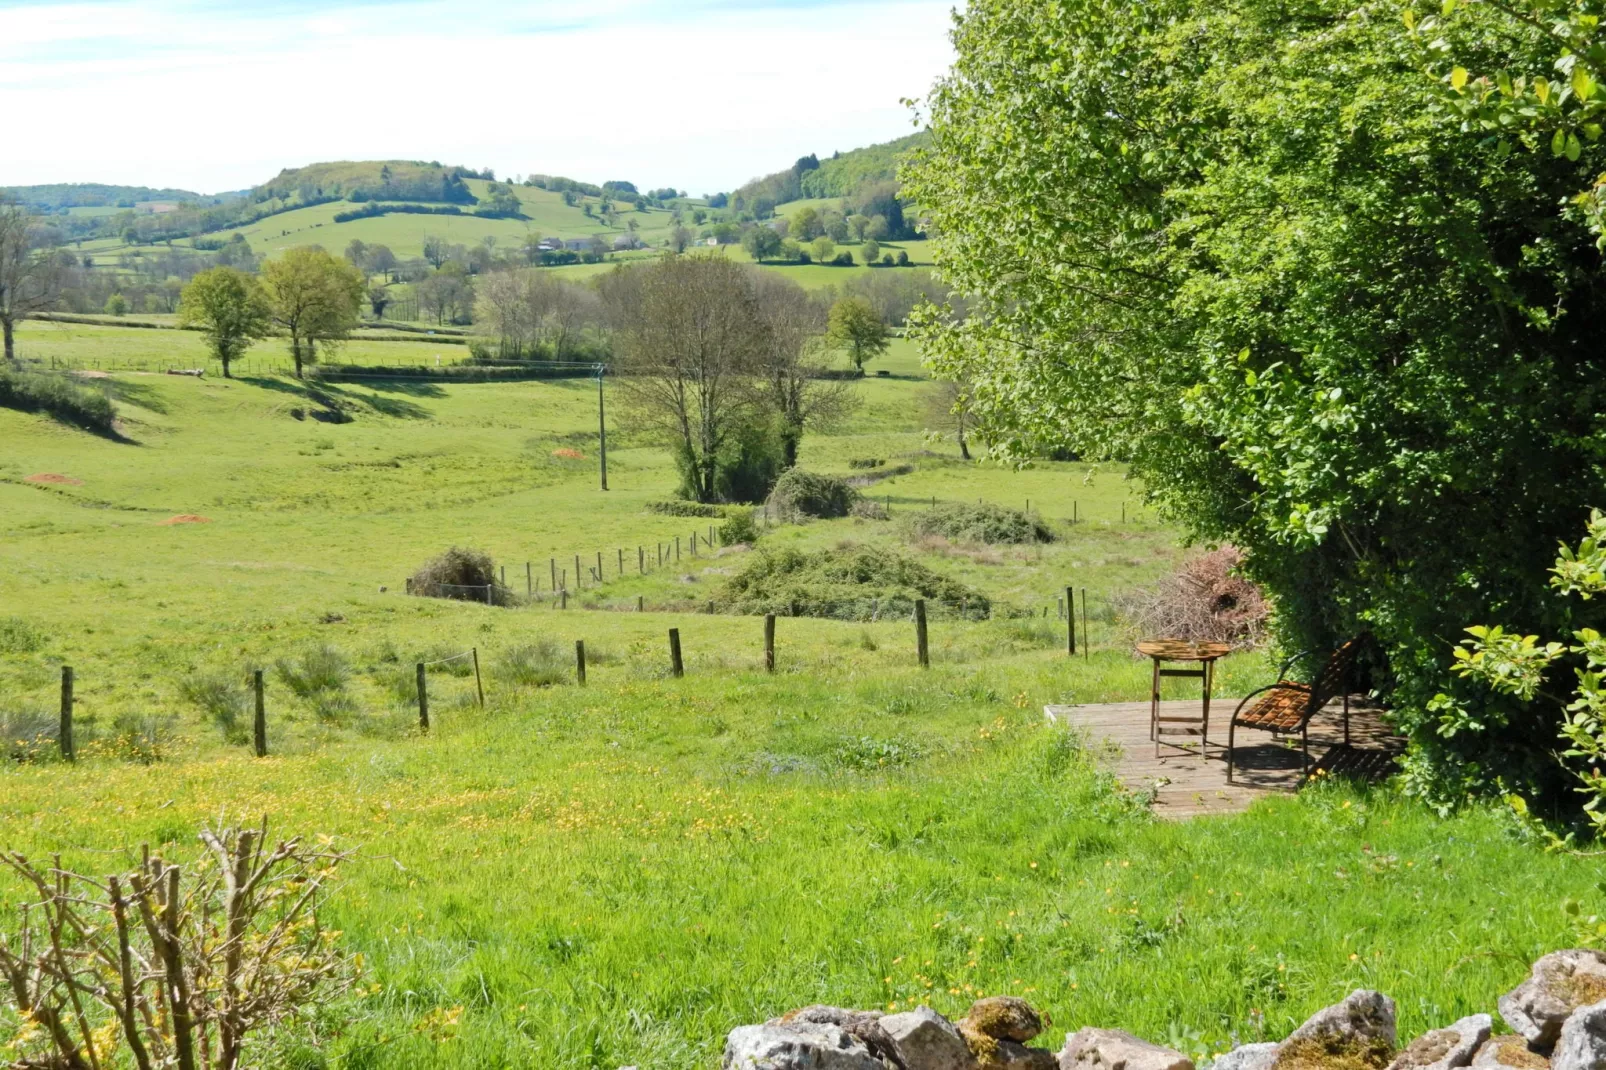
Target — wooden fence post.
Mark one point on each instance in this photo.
(554, 563)
(1087, 642)
(641, 561)
(621, 560)
(423, 700)
(579, 581)
(677, 547)
(641, 603)
(259, 726)
(64, 738)
(769, 642)
(529, 581)
(599, 566)
(694, 544)
(920, 634)
(1070, 621)
(564, 595)
(479, 686)
(504, 575)
(676, 666)
(580, 662)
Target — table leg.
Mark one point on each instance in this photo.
(1154, 703)
(1204, 729)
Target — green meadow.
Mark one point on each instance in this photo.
(617, 874)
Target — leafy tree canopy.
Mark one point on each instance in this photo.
(1262, 252)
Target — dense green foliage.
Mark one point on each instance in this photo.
(1251, 249)
(230, 309)
(58, 195)
(982, 522)
(846, 172)
(809, 494)
(59, 396)
(851, 583)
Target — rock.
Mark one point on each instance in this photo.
(1447, 1048)
(1509, 1052)
(1363, 1016)
(991, 1053)
(797, 1046)
(1248, 1057)
(1582, 1045)
(1003, 1018)
(865, 1025)
(1111, 1049)
(1559, 984)
(925, 1040)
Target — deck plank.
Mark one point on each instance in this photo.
(1185, 786)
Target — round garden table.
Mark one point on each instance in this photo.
(1205, 656)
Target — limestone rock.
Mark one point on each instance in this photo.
(1363, 1016)
(925, 1040)
(1111, 1049)
(1248, 1057)
(1004, 1018)
(865, 1025)
(1447, 1048)
(992, 1053)
(796, 1046)
(1559, 984)
(1509, 1052)
(1582, 1045)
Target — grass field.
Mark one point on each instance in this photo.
(618, 874)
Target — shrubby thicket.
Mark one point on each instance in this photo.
(1332, 300)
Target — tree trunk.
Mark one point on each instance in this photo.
(11, 340)
(964, 450)
(225, 361)
(295, 351)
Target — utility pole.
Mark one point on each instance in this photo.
(602, 430)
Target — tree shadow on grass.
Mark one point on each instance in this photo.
(338, 403)
(145, 395)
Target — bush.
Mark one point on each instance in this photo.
(745, 468)
(1204, 601)
(681, 507)
(851, 583)
(799, 493)
(983, 522)
(866, 462)
(29, 737)
(221, 698)
(58, 396)
(466, 575)
(739, 528)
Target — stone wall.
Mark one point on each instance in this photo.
(1557, 1017)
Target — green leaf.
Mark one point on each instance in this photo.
(1458, 78)
(1558, 142)
(1573, 147)
(1583, 84)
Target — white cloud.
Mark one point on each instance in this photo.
(156, 93)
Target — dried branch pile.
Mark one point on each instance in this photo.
(1204, 601)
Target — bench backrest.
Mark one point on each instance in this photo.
(1334, 678)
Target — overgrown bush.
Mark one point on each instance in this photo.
(808, 494)
(1205, 600)
(982, 522)
(866, 462)
(222, 698)
(58, 396)
(141, 738)
(466, 575)
(29, 737)
(681, 507)
(745, 467)
(739, 528)
(847, 583)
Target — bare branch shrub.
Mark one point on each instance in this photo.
(169, 965)
(1203, 601)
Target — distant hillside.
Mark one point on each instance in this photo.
(93, 195)
(846, 172)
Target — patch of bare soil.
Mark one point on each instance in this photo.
(186, 518)
(52, 477)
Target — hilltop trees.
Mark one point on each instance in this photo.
(1333, 309)
(315, 298)
(761, 243)
(856, 326)
(30, 277)
(231, 310)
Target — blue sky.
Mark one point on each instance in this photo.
(699, 94)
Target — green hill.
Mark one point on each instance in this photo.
(846, 172)
(371, 180)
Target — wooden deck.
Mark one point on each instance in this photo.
(1187, 786)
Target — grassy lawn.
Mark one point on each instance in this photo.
(618, 874)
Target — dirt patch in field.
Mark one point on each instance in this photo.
(89, 373)
(186, 518)
(568, 454)
(53, 478)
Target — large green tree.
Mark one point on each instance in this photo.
(856, 326)
(230, 309)
(316, 299)
(1255, 249)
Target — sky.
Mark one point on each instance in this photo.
(697, 94)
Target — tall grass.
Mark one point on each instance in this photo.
(58, 396)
